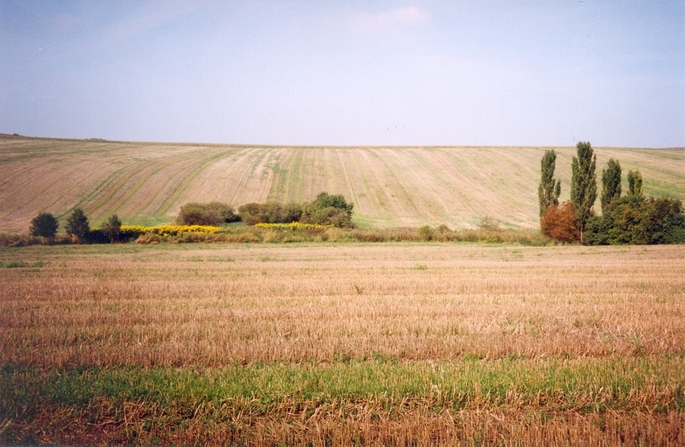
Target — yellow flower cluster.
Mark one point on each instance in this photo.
(168, 230)
(291, 226)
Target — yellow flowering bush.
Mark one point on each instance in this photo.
(167, 230)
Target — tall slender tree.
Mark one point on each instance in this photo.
(635, 183)
(549, 189)
(583, 184)
(611, 184)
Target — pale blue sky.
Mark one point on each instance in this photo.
(346, 73)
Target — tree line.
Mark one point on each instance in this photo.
(326, 209)
(630, 219)
(45, 225)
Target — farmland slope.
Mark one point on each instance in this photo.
(147, 183)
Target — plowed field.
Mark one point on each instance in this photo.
(147, 183)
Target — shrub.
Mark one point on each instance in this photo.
(112, 228)
(489, 224)
(635, 219)
(270, 212)
(44, 225)
(199, 214)
(77, 224)
(559, 222)
(328, 209)
(426, 233)
(227, 212)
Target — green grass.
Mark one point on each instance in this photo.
(581, 384)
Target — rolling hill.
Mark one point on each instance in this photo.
(146, 183)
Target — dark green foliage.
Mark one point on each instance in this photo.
(328, 209)
(549, 189)
(329, 216)
(197, 214)
(213, 213)
(635, 183)
(227, 212)
(639, 220)
(77, 224)
(112, 228)
(611, 184)
(270, 212)
(583, 184)
(44, 225)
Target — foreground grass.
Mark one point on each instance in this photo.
(320, 344)
(344, 401)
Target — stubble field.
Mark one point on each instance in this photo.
(147, 183)
(342, 344)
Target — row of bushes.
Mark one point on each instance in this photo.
(259, 234)
(639, 220)
(277, 233)
(326, 209)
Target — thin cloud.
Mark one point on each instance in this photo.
(389, 21)
(148, 17)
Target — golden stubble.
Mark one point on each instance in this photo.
(216, 305)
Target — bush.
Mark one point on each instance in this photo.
(328, 209)
(212, 213)
(270, 212)
(112, 228)
(44, 225)
(426, 233)
(639, 220)
(77, 224)
(559, 222)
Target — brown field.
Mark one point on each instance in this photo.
(147, 183)
(343, 343)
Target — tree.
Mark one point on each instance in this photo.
(583, 184)
(639, 220)
(328, 209)
(77, 224)
(44, 225)
(198, 214)
(611, 184)
(635, 183)
(549, 189)
(112, 228)
(560, 223)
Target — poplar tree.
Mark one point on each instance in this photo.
(635, 183)
(611, 184)
(583, 184)
(549, 189)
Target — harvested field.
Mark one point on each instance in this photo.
(343, 343)
(147, 183)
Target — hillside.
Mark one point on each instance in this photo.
(390, 186)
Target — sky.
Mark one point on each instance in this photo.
(462, 72)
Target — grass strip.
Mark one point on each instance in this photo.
(587, 385)
(262, 403)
